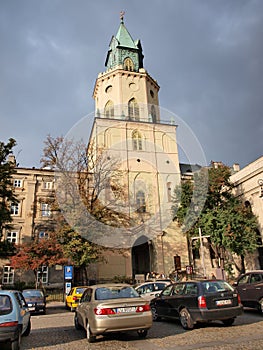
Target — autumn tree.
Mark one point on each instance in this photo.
(230, 223)
(38, 253)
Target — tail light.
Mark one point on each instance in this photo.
(202, 302)
(239, 299)
(103, 311)
(75, 298)
(143, 308)
(9, 324)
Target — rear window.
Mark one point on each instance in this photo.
(5, 304)
(80, 290)
(105, 293)
(216, 286)
(33, 293)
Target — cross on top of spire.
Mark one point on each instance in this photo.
(122, 13)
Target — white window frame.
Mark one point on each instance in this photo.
(45, 210)
(17, 183)
(48, 185)
(12, 237)
(8, 275)
(42, 275)
(15, 207)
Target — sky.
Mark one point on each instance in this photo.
(206, 55)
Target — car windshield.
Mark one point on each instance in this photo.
(5, 305)
(216, 286)
(105, 293)
(33, 293)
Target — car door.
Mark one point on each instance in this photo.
(253, 290)
(163, 304)
(24, 314)
(242, 288)
(83, 307)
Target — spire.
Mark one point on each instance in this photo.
(122, 46)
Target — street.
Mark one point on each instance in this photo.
(55, 330)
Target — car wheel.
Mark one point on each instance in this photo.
(186, 319)
(72, 309)
(155, 314)
(15, 345)
(28, 329)
(91, 338)
(76, 323)
(142, 333)
(228, 322)
(260, 307)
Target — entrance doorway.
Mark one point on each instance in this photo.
(141, 256)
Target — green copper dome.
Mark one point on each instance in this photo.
(124, 52)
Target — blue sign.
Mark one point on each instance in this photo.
(68, 272)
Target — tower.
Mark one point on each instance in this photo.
(128, 126)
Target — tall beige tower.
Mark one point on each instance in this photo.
(128, 125)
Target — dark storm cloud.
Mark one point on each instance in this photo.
(205, 54)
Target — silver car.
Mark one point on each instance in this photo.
(149, 290)
(107, 308)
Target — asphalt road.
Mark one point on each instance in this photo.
(55, 330)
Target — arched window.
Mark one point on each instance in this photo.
(140, 202)
(133, 109)
(136, 140)
(153, 113)
(109, 110)
(128, 64)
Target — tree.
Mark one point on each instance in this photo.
(38, 253)
(230, 223)
(7, 195)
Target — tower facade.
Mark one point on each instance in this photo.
(128, 126)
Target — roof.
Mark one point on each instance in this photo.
(124, 38)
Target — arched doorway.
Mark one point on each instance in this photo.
(141, 256)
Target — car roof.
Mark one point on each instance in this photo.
(9, 292)
(107, 285)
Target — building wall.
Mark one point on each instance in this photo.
(248, 185)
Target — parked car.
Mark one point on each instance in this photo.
(107, 308)
(73, 297)
(250, 289)
(198, 301)
(36, 300)
(14, 318)
(148, 290)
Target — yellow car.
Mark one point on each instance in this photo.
(73, 297)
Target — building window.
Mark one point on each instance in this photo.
(12, 237)
(128, 64)
(109, 110)
(8, 275)
(42, 275)
(43, 234)
(48, 185)
(17, 183)
(169, 191)
(136, 141)
(133, 109)
(45, 209)
(140, 202)
(15, 209)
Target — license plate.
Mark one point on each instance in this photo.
(223, 302)
(31, 308)
(120, 310)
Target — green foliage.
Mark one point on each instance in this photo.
(7, 196)
(230, 223)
